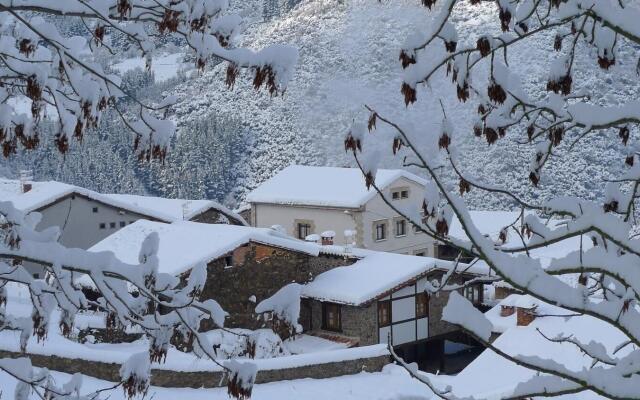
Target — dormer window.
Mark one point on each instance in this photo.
(399, 193)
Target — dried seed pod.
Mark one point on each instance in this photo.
(557, 43)
(428, 3)
(531, 130)
(450, 46)
(496, 92)
(607, 60)
(232, 74)
(397, 145)
(442, 228)
(611, 206)
(624, 133)
(484, 46)
(371, 124)
(409, 94)
(464, 186)
(406, 59)
(534, 178)
(502, 237)
(523, 27)
(463, 92)
(629, 160)
(444, 141)
(490, 134)
(505, 19)
(351, 143)
(477, 129)
(26, 47)
(555, 135)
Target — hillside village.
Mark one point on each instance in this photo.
(325, 282)
(319, 199)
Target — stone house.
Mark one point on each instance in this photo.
(382, 298)
(245, 265)
(86, 217)
(311, 200)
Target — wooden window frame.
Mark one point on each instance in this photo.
(308, 227)
(385, 304)
(425, 297)
(404, 194)
(325, 325)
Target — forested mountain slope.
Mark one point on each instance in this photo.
(348, 56)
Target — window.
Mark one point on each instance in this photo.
(472, 294)
(95, 209)
(381, 231)
(399, 193)
(36, 275)
(422, 305)
(228, 261)
(331, 317)
(384, 313)
(131, 222)
(103, 225)
(122, 224)
(112, 225)
(401, 227)
(420, 254)
(304, 230)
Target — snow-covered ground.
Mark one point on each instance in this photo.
(393, 383)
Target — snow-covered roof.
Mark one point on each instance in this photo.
(184, 244)
(177, 209)
(47, 192)
(492, 376)
(488, 222)
(374, 275)
(324, 186)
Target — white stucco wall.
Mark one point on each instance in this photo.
(377, 210)
(79, 224)
(323, 219)
(362, 220)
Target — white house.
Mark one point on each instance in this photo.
(314, 200)
(85, 217)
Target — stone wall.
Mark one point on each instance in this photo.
(359, 323)
(259, 270)
(437, 302)
(206, 379)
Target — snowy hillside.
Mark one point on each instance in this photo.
(348, 57)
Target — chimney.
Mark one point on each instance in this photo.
(506, 311)
(26, 178)
(526, 310)
(327, 238)
(312, 238)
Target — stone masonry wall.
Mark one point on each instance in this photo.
(259, 270)
(177, 379)
(357, 322)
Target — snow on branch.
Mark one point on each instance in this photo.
(130, 295)
(51, 71)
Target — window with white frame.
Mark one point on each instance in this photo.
(401, 227)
